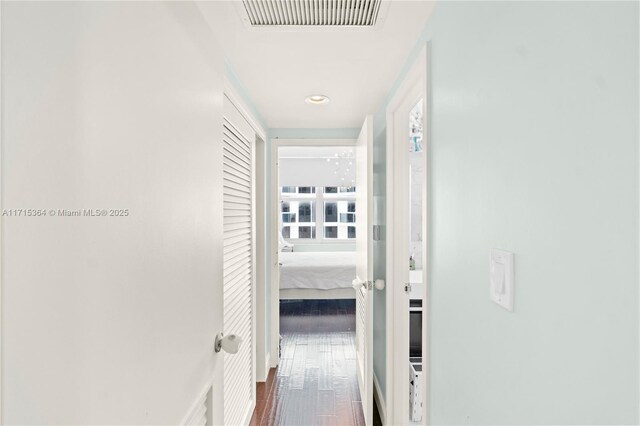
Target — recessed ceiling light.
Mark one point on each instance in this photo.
(317, 99)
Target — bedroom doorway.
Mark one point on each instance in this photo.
(314, 198)
(407, 231)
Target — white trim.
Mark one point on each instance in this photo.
(274, 271)
(249, 413)
(412, 88)
(254, 284)
(261, 301)
(202, 395)
(379, 398)
(426, 295)
(267, 366)
(1, 230)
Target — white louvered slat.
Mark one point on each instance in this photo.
(232, 131)
(238, 252)
(235, 223)
(237, 144)
(233, 226)
(230, 255)
(229, 185)
(236, 272)
(234, 247)
(235, 152)
(238, 181)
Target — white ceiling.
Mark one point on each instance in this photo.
(356, 68)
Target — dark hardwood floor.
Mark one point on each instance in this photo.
(316, 381)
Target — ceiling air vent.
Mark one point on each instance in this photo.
(312, 13)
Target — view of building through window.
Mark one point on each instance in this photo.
(318, 213)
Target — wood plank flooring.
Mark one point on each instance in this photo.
(316, 382)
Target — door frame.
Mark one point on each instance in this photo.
(414, 86)
(272, 258)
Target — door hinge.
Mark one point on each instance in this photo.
(407, 288)
(376, 233)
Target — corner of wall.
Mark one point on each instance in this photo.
(240, 89)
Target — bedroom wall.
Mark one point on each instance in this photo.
(110, 105)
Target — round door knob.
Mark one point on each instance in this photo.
(357, 283)
(230, 343)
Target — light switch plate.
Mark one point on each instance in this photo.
(501, 277)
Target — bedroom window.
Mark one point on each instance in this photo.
(331, 232)
(305, 211)
(330, 212)
(339, 189)
(318, 213)
(336, 218)
(307, 232)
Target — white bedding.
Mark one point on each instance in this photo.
(317, 270)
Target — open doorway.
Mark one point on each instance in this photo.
(315, 198)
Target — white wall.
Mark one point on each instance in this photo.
(534, 149)
(110, 105)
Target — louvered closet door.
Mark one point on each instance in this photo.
(238, 266)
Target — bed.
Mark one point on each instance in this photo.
(317, 275)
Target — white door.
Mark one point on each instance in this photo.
(239, 266)
(363, 283)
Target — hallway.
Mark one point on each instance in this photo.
(316, 382)
(165, 164)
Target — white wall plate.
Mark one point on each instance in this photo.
(501, 277)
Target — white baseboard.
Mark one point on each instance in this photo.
(249, 413)
(267, 365)
(274, 360)
(377, 395)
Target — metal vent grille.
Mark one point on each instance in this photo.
(353, 13)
